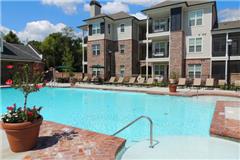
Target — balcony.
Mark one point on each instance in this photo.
(159, 27)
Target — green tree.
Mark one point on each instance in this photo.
(36, 45)
(67, 60)
(11, 38)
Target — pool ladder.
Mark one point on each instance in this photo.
(132, 122)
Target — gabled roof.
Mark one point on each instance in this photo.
(228, 25)
(167, 3)
(18, 52)
(115, 16)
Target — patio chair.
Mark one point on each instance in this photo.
(85, 79)
(111, 80)
(237, 85)
(131, 81)
(150, 82)
(221, 83)
(141, 81)
(120, 80)
(182, 82)
(209, 83)
(197, 82)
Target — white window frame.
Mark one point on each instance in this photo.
(193, 68)
(122, 70)
(195, 18)
(122, 27)
(96, 72)
(160, 68)
(159, 44)
(96, 28)
(96, 49)
(122, 48)
(195, 44)
(157, 22)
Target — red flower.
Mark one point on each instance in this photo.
(9, 82)
(10, 108)
(9, 66)
(38, 86)
(30, 114)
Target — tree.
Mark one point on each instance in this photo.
(12, 38)
(36, 45)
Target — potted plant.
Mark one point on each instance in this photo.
(172, 82)
(22, 124)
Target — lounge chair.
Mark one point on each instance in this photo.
(209, 83)
(182, 82)
(85, 79)
(111, 80)
(237, 85)
(197, 82)
(141, 81)
(120, 80)
(131, 81)
(150, 82)
(221, 83)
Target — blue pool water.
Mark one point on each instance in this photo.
(108, 111)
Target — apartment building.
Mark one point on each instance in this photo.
(180, 37)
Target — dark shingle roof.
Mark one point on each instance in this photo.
(115, 16)
(170, 2)
(228, 25)
(19, 52)
(120, 15)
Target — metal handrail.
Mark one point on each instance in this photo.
(151, 128)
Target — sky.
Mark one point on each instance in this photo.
(35, 19)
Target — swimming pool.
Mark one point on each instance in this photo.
(108, 111)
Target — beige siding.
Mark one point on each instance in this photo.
(203, 31)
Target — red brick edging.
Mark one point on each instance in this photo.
(59, 141)
(221, 126)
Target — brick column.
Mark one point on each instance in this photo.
(176, 53)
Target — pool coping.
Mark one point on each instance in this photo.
(182, 94)
(223, 127)
(73, 143)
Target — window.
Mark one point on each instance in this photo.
(195, 45)
(219, 45)
(160, 25)
(96, 29)
(122, 70)
(96, 72)
(160, 49)
(109, 28)
(159, 70)
(96, 49)
(122, 28)
(194, 70)
(122, 48)
(195, 18)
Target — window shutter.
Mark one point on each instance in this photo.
(102, 25)
(90, 30)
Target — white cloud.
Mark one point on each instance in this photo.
(114, 7)
(229, 14)
(139, 16)
(68, 6)
(86, 7)
(38, 30)
(141, 2)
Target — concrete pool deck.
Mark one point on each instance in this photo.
(184, 148)
(188, 92)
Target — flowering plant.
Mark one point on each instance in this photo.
(18, 115)
(27, 82)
